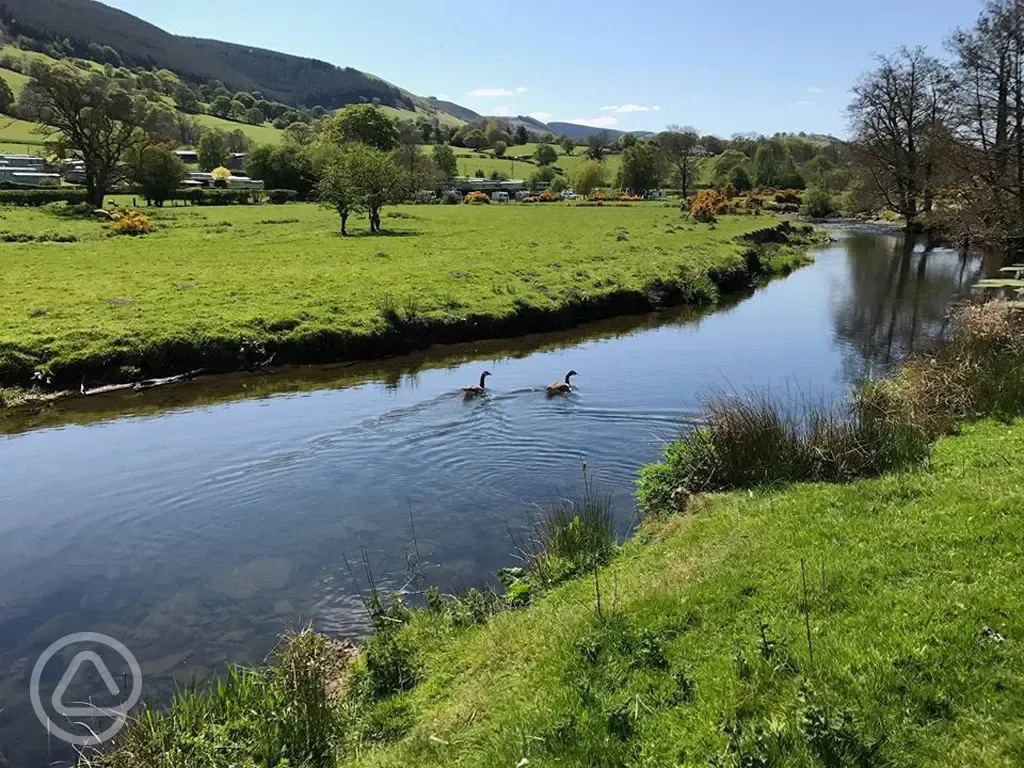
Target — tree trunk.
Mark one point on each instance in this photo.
(344, 221)
(94, 191)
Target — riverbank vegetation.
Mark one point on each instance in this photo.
(231, 287)
(871, 624)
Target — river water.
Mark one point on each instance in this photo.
(195, 523)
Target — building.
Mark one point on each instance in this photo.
(204, 179)
(465, 185)
(187, 156)
(26, 171)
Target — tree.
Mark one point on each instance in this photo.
(281, 166)
(418, 165)
(768, 163)
(723, 166)
(221, 106)
(596, 144)
(821, 172)
(545, 154)
(641, 168)
(246, 98)
(626, 140)
(496, 133)
(237, 140)
(185, 99)
(6, 97)
(897, 116)
(254, 117)
(543, 175)
(187, 129)
(712, 145)
(500, 147)
(740, 179)
(362, 123)
(444, 159)
(588, 177)
(558, 184)
(680, 148)
(300, 134)
(356, 176)
(159, 173)
(213, 150)
(568, 146)
(988, 159)
(95, 119)
(475, 139)
(522, 135)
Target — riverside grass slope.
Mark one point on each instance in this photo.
(699, 652)
(211, 280)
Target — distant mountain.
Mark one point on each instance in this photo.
(453, 109)
(578, 132)
(281, 77)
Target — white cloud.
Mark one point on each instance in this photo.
(595, 122)
(815, 89)
(487, 93)
(800, 104)
(656, 108)
(624, 108)
(503, 110)
(521, 89)
(542, 116)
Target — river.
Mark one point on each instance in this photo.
(195, 523)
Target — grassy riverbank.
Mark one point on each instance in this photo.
(698, 654)
(279, 281)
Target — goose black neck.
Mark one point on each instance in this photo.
(567, 377)
(483, 378)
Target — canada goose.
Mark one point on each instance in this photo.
(477, 389)
(561, 387)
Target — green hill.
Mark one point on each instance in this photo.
(290, 79)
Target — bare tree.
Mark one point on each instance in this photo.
(898, 115)
(990, 126)
(681, 147)
(94, 118)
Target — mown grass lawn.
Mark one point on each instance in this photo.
(700, 654)
(224, 275)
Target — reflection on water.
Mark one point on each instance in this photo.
(195, 523)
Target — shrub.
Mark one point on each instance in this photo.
(790, 196)
(705, 206)
(131, 223)
(281, 196)
(477, 198)
(818, 203)
(201, 196)
(451, 197)
(38, 197)
(889, 424)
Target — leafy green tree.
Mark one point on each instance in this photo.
(596, 143)
(246, 98)
(6, 97)
(213, 150)
(185, 99)
(641, 168)
(221, 106)
(712, 145)
(362, 123)
(334, 186)
(820, 171)
(588, 177)
(500, 147)
(300, 134)
(254, 116)
(558, 184)
(740, 179)
(418, 165)
(444, 159)
(723, 165)
(543, 175)
(281, 166)
(626, 140)
(818, 203)
(496, 133)
(159, 173)
(522, 135)
(545, 154)
(94, 119)
(376, 180)
(238, 140)
(475, 139)
(568, 146)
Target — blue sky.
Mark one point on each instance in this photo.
(723, 67)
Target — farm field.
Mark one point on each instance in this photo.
(211, 278)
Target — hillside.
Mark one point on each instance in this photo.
(282, 77)
(581, 132)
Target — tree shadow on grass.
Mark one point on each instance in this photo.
(384, 233)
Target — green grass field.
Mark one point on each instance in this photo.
(261, 134)
(701, 654)
(15, 80)
(213, 277)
